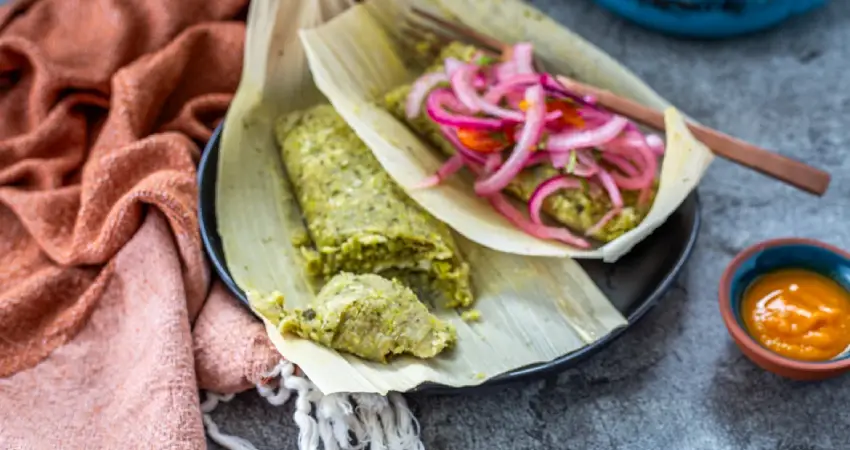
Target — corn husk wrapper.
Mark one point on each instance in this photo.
(360, 55)
(534, 309)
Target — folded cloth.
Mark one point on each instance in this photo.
(108, 325)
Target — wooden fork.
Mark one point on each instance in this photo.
(774, 165)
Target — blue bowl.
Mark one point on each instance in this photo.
(709, 18)
(767, 257)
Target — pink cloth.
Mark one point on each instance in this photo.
(108, 325)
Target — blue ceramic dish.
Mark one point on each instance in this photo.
(767, 257)
(709, 18)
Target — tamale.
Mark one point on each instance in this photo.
(577, 209)
(358, 218)
(371, 317)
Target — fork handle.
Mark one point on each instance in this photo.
(782, 168)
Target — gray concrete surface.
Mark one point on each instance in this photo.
(676, 381)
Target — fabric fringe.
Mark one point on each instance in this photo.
(337, 422)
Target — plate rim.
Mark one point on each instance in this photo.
(533, 371)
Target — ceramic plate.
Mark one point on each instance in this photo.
(634, 284)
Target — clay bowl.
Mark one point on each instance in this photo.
(766, 257)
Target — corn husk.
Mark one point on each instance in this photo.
(533, 309)
(361, 55)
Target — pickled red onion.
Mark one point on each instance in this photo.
(448, 169)
(537, 158)
(505, 70)
(621, 163)
(528, 139)
(602, 222)
(492, 162)
(441, 99)
(420, 90)
(462, 83)
(561, 159)
(647, 169)
(468, 155)
(504, 207)
(587, 166)
(544, 190)
(451, 66)
(572, 139)
(655, 143)
(611, 187)
(523, 54)
(509, 85)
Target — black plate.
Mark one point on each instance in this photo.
(634, 284)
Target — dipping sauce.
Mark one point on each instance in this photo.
(798, 314)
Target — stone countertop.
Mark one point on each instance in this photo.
(676, 380)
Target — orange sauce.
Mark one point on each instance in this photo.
(798, 314)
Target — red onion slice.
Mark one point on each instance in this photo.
(441, 99)
(587, 161)
(452, 65)
(508, 85)
(523, 54)
(560, 159)
(528, 140)
(420, 90)
(656, 144)
(448, 169)
(646, 161)
(462, 82)
(505, 70)
(492, 162)
(644, 196)
(604, 220)
(537, 158)
(611, 187)
(595, 137)
(471, 157)
(503, 206)
(621, 163)
(544, 190)
(616, 200)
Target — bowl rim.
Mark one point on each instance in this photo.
(742, 337)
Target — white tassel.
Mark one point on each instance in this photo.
(381, 423)
(369, 408)
(308, 432)
(225, 440)
(348, 423)
(337, 421)
(406, 426)
(326, 431)
(283, 370)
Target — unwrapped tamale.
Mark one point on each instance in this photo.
(577, 209)
(370, 317)
(358, 218)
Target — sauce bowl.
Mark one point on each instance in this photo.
(766, 257)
